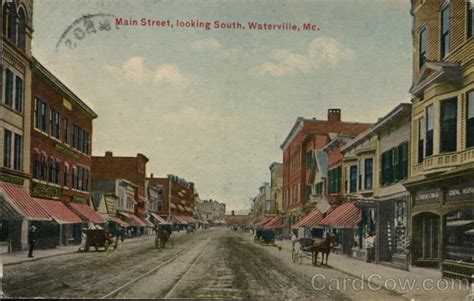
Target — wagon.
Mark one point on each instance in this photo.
(98, 238)
(160, 238)
(304, 250)
(266, 236)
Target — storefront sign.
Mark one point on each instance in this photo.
(66, 151)
(46, 191)
(459, 193)
(11, 179)
(431, 196)
(79, 199)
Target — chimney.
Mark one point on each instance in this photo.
(109, 154)
(334, 115)
(151, 175)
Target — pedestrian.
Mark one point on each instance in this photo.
(31, 241)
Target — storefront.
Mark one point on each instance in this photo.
(442, 214)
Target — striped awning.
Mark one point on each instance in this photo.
(179, 219)
(117, 220)
(158, 218)
(86, 213)
(263, 222)
(189, 219)
(311, 220)
(16, 202)
(133, 220)
(275, 223)
(345, 216)
(60, 213)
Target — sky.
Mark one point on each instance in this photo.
(214, 106)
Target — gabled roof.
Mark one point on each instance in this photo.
(433, 72)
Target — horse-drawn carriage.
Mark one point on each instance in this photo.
(309, 247)
(266, 236)
(98, 238)
(163, 235)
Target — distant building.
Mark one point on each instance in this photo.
(211, 211)
(306, 136)
(276, 187)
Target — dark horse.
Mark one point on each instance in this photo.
(164, 237)
(324, 246)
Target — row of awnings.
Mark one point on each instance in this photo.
(16, 203)
(181, 207)
(347, 215)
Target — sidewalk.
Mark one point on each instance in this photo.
(416, 284)
(21, 257)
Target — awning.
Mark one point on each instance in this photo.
(158, 218)
(147, 223)
(311, 220)
(117, 220)
(60, 213)
(275, 223)
(263, 222)
(188, 219)
(16, 202)
(86, 212)
(133, 220)
(345, 216)
(179, 219)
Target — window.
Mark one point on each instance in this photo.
(422, 47)
(395, 164)
(66, 175)
(429, 131)
(353, 179)
(10, 20)
(334, 176)
(55, 124)
(41, 115)
(445, 30)
(37, 166)
(66, 131)
(361, 173)
(18, 94)
(448, 125)
(44, 168)
(21, 38)
(470, 119)
(74, 178)
(368, 173)
(421, 139)
(13, 150)
(18, 153)
(470, 19)
(52, 170)
(8, 88)
(7, 149)
(403, 157)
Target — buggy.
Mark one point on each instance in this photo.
(98, 238)
(305, 249)
(266, 236)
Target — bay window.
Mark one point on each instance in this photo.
(429, 131)
(470, 119)
(448, 125)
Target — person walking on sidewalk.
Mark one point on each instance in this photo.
(31, 241)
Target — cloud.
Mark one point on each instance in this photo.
(135, 70)
(210, 43)
(214, 46)
(321, 51)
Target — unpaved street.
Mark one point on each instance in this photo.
(215, 263)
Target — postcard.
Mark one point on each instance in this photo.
(239, 149)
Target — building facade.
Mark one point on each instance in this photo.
(442, 154)
(307, 136)
(276, 187)
(61, 140)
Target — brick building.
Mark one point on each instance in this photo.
(61, 135)
(131, 169)
(442, 140)
(306, 136)
(177, 198)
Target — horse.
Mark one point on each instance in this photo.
(164, 237)
(323, 246)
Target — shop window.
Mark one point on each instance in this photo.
(429, 131)
(422, 46)
(368, 173)
(448, 125)
(445, 30)
(470, 120)
(400, 223)
(459, 230)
